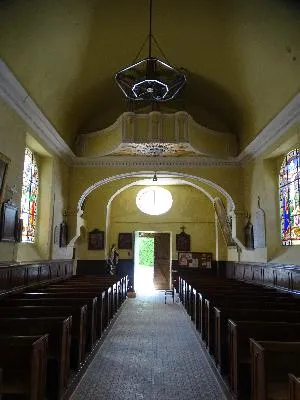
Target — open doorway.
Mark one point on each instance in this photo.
(152, 261)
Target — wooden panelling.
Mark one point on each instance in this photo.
(19, 275)
(276, 275)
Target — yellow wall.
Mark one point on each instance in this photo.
(53, 178)
(12, 144)
(265, 39)
(62, 186)
(244, 69)
(261, 178)
(191, 208)
(60, 195)
(242, 58)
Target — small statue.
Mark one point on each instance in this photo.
(113, 260)
(248, 232)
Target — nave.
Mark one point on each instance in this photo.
(151, 352)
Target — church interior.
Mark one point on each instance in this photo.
(150, 130)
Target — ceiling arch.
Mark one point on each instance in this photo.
(179, 176)
(242, 59)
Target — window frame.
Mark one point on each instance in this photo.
(30, 239)
(289, 208)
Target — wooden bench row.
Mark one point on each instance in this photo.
(245, 328)
(53, 329)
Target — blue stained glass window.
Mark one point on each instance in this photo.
(29, 198)
(289, 191)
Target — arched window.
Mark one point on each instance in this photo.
(289, 187)
(29, 198)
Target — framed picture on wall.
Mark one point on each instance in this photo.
(4, 161)
(9, 222)
(184, 258)
(125, 241)
(194, 259)
(96, 240)
(183, 242)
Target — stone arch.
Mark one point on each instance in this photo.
(149, 174)
(180, 176)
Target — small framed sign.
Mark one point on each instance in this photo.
(125, 241)
(96, 240)
(183, 242)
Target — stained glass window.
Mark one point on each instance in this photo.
(29, 197)
(289, 187)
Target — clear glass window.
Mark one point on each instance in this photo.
(154, 200)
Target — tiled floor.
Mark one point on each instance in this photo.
(152, 352)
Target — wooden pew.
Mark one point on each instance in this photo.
(78, 330)
(103, 292)
(239, 361)
(261, 302)
(271, 362)
(211, 285)
(234, 300)
(111, 286)
(59, 341)
(122, 283)
(104, 302)
(294, 387)
(221, 316)
(40, 299)
(205, 294)
(23, 360)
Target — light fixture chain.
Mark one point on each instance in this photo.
(159, 48)
(150, 28)
(141, 49)
(150, 79)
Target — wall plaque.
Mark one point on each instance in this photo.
(96, 240)
(125, 241)
(183, 241)
(259, 228)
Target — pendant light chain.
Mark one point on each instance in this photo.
(150, 79)
(150, 28)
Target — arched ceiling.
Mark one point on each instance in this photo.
(242, 59)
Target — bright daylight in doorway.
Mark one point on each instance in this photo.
(144, 263)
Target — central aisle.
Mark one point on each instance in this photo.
(152, 352)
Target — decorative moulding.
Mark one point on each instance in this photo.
(147, 174)
(14, 94)
(142, 161)
(157, 134)
(273, 131)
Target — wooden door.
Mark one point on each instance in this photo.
(162, 261)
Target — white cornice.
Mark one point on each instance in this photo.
(138, 161)
(13, 93)
(272, 132)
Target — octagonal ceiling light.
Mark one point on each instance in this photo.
(150, 79)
